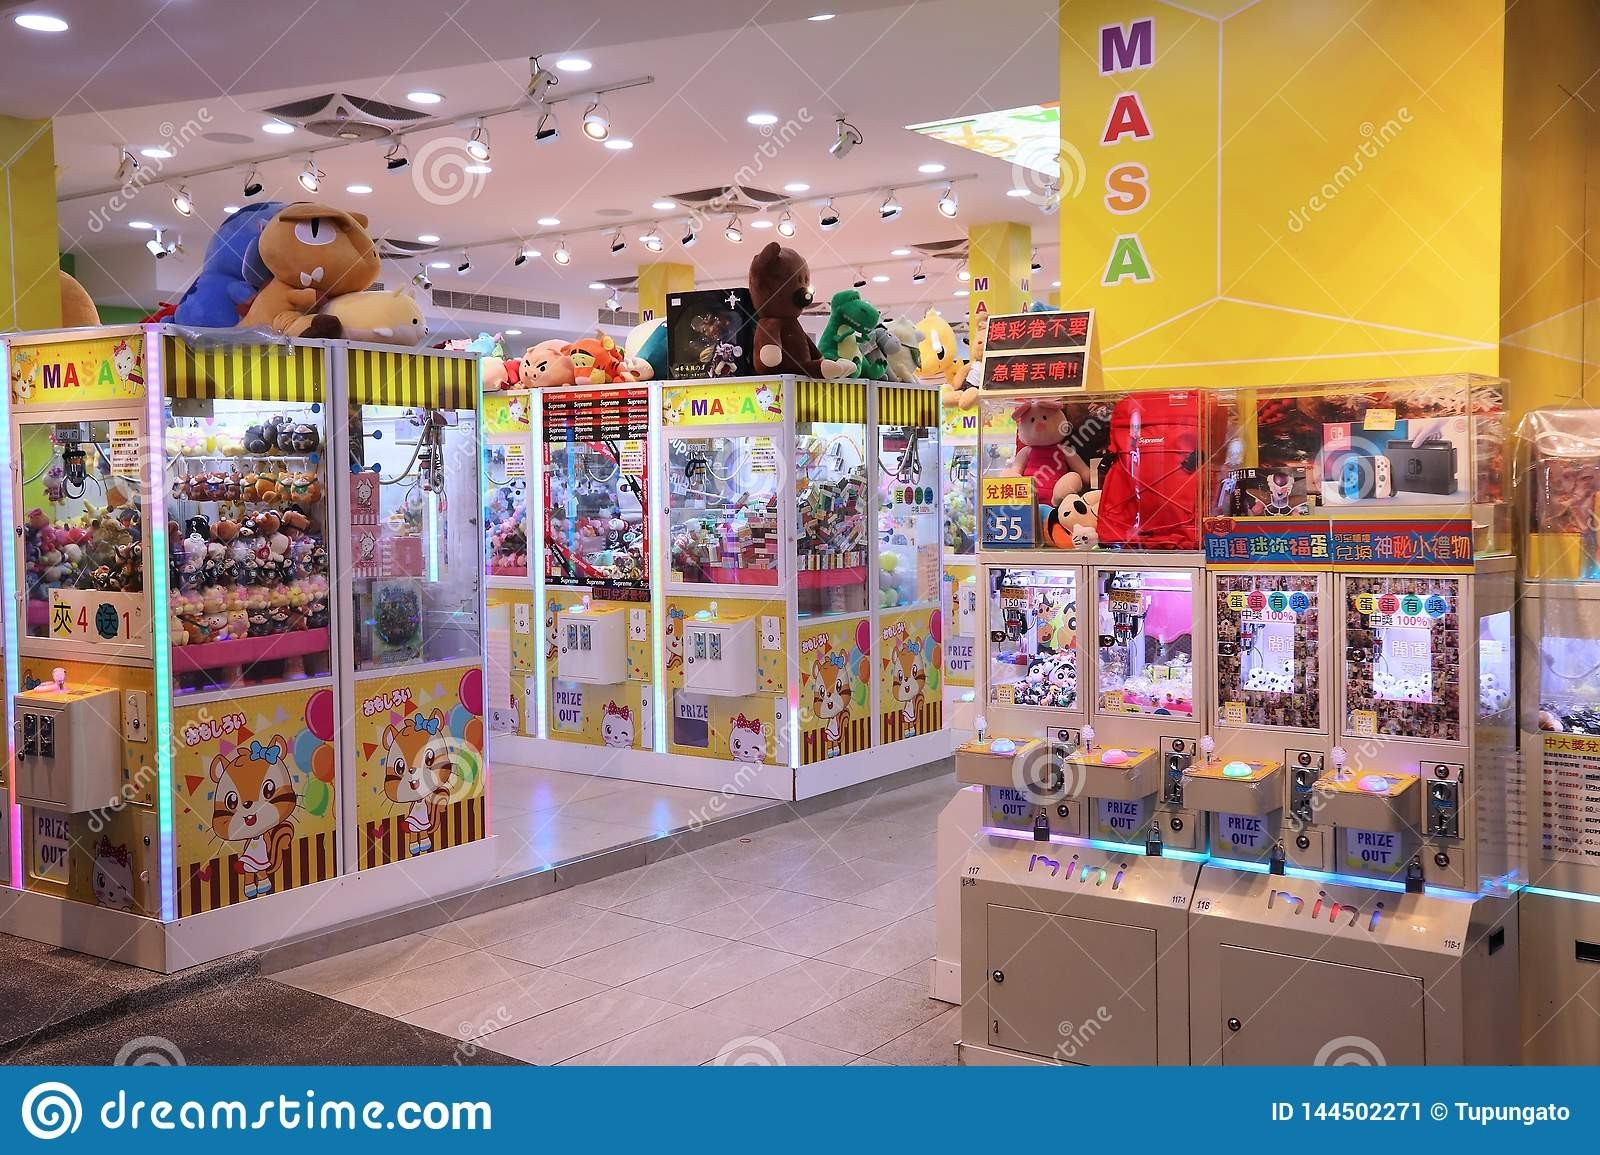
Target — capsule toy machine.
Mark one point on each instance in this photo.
(1361, 893)
(1559, 467)
(1085, 853)
(415, 755)
(511, 488)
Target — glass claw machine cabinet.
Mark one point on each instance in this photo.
(510, 478)
(1558, 470)
(1085, 851)
(415, 759)
(1359, 759)
(958, 452)
(801, 537)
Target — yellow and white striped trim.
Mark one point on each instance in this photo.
(428, 380)
(914, 407)
(244, 372)
(844, 402)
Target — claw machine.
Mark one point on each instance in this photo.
(416, 767)
(510, 478)
(958, 452)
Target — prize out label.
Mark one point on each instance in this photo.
(1246, 833)
(1372, 849)
(1009, 808)
(1117, 819)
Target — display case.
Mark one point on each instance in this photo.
(181, 657)
(510, 480)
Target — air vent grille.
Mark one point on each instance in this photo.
(623, 318)
(501, 306)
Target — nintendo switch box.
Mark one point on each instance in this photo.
(1378, 464)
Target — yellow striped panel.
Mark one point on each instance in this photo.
(243, 372)
(913, 407)
(844, 402)
(392, 377)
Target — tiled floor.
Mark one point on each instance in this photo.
(807, 943)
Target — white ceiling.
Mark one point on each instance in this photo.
(141, 72)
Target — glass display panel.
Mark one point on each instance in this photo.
(1495, 657)
(1145, 622)
(83, 528)
(1560, 478)
(597, 488)
(908, 516)
(831, 524)
(414, 508)
(505, 510)
(1033, 638)
(722, 495)
(1403, 654)
(1268, 635)
(248, 510)
(960, 468)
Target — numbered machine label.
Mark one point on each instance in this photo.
(1010, 516)
(97, 616)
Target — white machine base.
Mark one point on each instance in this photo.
(202, 938)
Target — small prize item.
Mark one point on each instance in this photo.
(397, 615)
(710, 333)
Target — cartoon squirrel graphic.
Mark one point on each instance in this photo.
(830, 698)
(417, 774)
(910, 679)
(254, 804)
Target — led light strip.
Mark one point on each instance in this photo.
(13, 642)
(155, 520)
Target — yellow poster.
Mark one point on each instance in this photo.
(253, 784)
(752, 728)
(835, 694)
(506, 413)
(421, 775)
(910, 673)
(960, 624)
(68, 372)
(736, 402)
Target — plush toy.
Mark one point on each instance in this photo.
(77, 307)
(595, 360)
(646, 347)
(1043, 453)
(851, 319)
(1074, 523)
(315, 252)
(940, 360)
(389, 318)
(780, 287)
(905, 356)
(231, 273)
(546, 366)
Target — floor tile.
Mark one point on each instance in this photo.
(496, 926)
(612, 891)
(583, 932)
(704, 977)
(696, 896)
(850, 878)
(932, 1044)
(884, 841)
(750, 916)
(479, 1012)
(888, 950)
(412, 990)
(560, 838)
(660, 808)
(776, 1001)
(862, 1022)
(526, 789)
(776, 1049)
(767, 864)
(577, 1027)
(910, 894)
(341, 972)
(656, 949)
(918, 974)
(820, 931)
(687, 1039)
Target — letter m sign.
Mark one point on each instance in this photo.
(1125, 48)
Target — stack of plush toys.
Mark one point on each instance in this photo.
(96, 549)
(507, 539)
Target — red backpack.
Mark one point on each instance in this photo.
(1150, 495)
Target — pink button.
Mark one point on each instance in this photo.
(1113, 757)
(1374, 784)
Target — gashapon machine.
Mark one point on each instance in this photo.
(802, 618)
(1357, 761)
(1559, 499)
(1081, 848)
(415, 757)
(511, 489)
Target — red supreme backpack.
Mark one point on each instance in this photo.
(1151, 489)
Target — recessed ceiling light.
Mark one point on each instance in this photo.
(438, 264)
(359, 190)
(1055, 284)
(761, 223)
(427, 239)
(574, 64)
(424, 96)
(230, 209)
(597, 285)
(549, 222)
(1016, 192)
(820, 17)
(157, 152)
(930, 169)
(513, 332)
(277, 128)
(479, 169)
(796, 186)
(880, 278)
(39, 22)
(140, 225)
(961, 292)
(761, 119)
(899, 252)
(663, 206)
(619, 144)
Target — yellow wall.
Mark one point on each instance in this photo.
(30, 290)
(658, 279)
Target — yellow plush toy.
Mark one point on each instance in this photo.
(941, 363)
(389, 318)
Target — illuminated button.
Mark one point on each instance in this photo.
(1113, 757)
(1002, 746)
(1374, 784)
(1237, 770)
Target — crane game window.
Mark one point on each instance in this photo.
(1403, 653)
(596, 506)
(1033, 638)
(1145, 622)
(1268, 631)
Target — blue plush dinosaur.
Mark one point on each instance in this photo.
(232, 272)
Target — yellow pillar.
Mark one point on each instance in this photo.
(658, 279)
(1000, 258)
(30, 288)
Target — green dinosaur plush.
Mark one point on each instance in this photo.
(851, 320)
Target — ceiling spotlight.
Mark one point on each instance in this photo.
(619, 144)
(562, 255)
(1036, 266)
(310, 177)
(252, 183)
(548, 128)
(880, 278)
(421, 279)
(478, 143)
(690, 236)
(899, 252)
(846, 136)
(861, 280)
(596, 122)
(127, 165)
(158, 152)
(396, 160)
(157, 248)
(522, 255)
(917, 275)
(962, 273)
(618, 242)
(596, 286)
(796, 186)
(140, 225)
(466, 262)
(761, 223)
(762, 119)
(948, 207)
(427, 238)
(663, 205)
(1016, 192)
(540, 81)
(573, 64)
(614, 302)
(930, 169)
(830, 216)
(652, 239)
(786, 224)
(820, 17)
(181, 202)
(890, 208)
(1052, 200)
(731, 230)
(358, 190)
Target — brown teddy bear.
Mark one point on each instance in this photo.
(780, 286)
(313, 252)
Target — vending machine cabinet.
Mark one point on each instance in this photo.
(719, 657)
(593, 645)
(69, 753)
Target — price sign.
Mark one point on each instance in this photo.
(95, 617)
(516, 462)
(1010, 517)
(125, 446)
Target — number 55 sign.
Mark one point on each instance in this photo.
(1010, 517)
